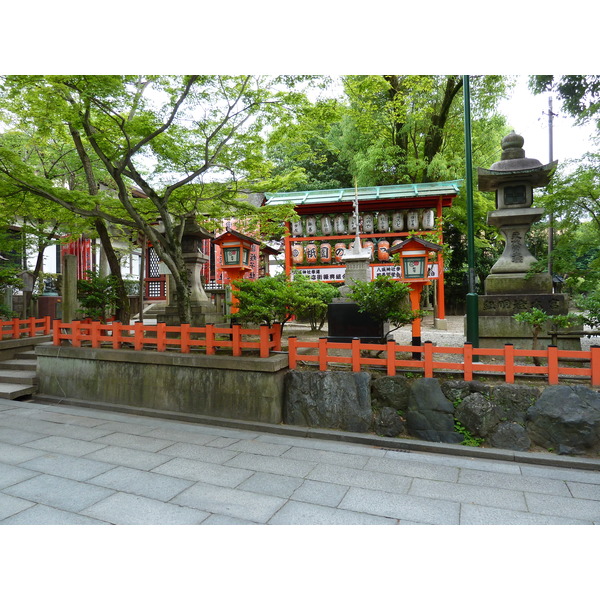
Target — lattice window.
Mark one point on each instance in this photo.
(153, 263)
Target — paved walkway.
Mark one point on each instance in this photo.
(72, 465)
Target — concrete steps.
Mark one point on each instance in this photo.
(18, 375)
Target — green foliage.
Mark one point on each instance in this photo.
(316, 296)
(590, 304)
(385, 300)
(8, 278)
(469, 438)
(277, 299)
(97, 296)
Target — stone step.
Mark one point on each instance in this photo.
(21, 376)
(26, 354)
(14, 391)
(20, 364)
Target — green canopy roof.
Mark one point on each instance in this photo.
(380, 192)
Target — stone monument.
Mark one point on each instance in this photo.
(344, 320)
(510, 288)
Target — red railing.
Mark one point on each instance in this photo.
(18, 328)
(161, 337)
(509, 355)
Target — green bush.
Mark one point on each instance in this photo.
(97, 296)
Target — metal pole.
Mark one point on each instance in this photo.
(551, 224)
(472, 301)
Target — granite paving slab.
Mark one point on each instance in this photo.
(301, 513)
(258, 447)
(197, 452)
(127, 457)
(400, 506)
(357, 461)
(12, 435)
(409, 468)
(578, 475)
(577, 508)
(514, 482)
(469, 494)
(70, 467)
(191, 437)
(46, 515)
(142, 483)
(272, 464)
(10, 474)
(224, 520)
(58, 492)
(360, 478)
(474, 514)
(195, 470)
(270, 484)
(128, 509)
(9, 505)
(14, 455)
(64, 445)
(319, 492)
(135, 442)
(232, 503)
(587, 491)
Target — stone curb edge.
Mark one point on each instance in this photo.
(399, 444)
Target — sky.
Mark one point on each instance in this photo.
(527, 114)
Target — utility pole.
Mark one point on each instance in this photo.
(472, 300)
(551, 224)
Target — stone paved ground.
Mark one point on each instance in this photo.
(71, 465)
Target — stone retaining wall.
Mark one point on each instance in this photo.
(223, 386)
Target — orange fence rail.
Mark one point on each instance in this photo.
(509, 367)
(184, 337)
(17, 328)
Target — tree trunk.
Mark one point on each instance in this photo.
(123, 307)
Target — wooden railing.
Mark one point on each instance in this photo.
(161, 337)
(509, 367)
(18, 328)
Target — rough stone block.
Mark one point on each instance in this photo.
(328, 399)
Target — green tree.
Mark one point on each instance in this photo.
(385, 300)
(278, 299)
(188, 143)
(580, 94)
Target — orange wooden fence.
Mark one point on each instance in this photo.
(18, 328)
(466, 363)
(184, 337)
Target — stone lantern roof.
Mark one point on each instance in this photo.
(514, 165)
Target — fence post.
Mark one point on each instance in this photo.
(47, 328)
(16, 332)
(292, 352)
(265, 338)
(468, 361)
(32, 324)
(161, 337)
(184, 340)
(553, 365)
(237, 350)
(595, 364)
(355, 355)
(76, 334)
(391, 358)
(509, 363)
(95, 333)
(428, 362)
(322, 354)
(209, 334)
(56, 333)
(116, 335)
(138, 335)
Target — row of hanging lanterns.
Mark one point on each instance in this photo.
(382, 222)
(328, 253)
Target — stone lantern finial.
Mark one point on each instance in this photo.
(512, 146)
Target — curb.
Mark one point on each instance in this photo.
(398, 444)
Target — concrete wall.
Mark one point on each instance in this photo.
(223, 386)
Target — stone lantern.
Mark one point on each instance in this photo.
(510, 288)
